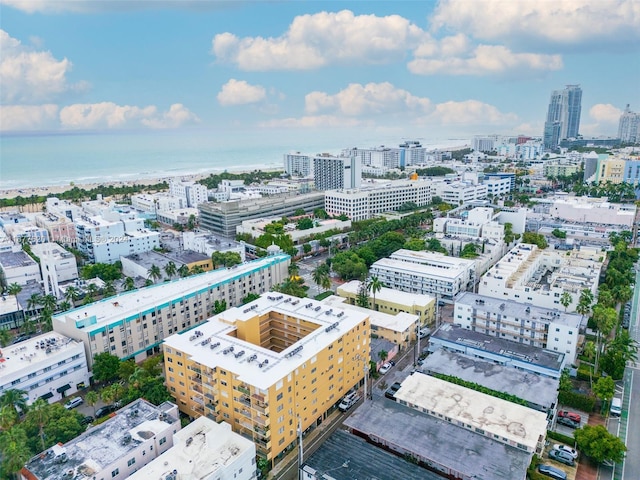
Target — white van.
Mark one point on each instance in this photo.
(616, 407)
(348, 401)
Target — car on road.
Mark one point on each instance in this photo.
(573, 416)
(616, 407)
(86, 420)
(73, 403)
(562, 457)
(552, 472)
(106, 410)
(571, 451)
(391, 391)
(385, 368)
(348, 401)
(568, 422)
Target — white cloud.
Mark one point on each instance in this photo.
(324, 38)
(177, 116)
(29, 76)
(468, 112)
(28, 117)
(565, 22)
(369, 99)
(605, 112)
(239, 92)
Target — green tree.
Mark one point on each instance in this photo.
(170, 269)
(129, 284)
(565, 300)
(320, 276)
(535, 239)
(92, 399)
(293, 269)
(362, 298)
(8, 417)
(219, 306)
(605, 318)
(470, 250)
(585, 302)
(5, 337)
(383, 354)
(34, 301)
(604, 389)
(416, 244)
(305, 224)
(15, 452)
(109, 289)
(63, 426)
(596, 442)
(183, 271)
(105, 367)
(376, 285)
(14, 289)
(154, 273)
(250, 298)
(15, 398)
(39, 415)
(126, 368)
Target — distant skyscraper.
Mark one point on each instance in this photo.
(336, 173)
(563, 117)
(629, 127)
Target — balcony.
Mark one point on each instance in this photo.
(263, 410)
(261, 399)
(245, 401)
(197, 388)
(242, 389)
(263, 421)
(210, 397)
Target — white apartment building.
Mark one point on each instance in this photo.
(208, 243)
(371, 200)
(105, 240)
(114, 450)
(61, 229)
(134, 324)
(64, 262)
(157, 202)
(478, 224)
(586, 210)
(18, 267)
(408, 153)
(18, 231)
(527, 274)
(180, 216)
(63, 208)
(425, 273)
(484, 143)
(336, 173)
(498, 186)
(49, 366)
(551, 329)
(204, 450)
(194, 193)
(457, 193)
(297, 164)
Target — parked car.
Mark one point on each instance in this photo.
(86, 420)
(552, 472)
(571, 451)
(568, 422)
(561, 456)
(616, 407)
(73, 403)
(391, 391)
(385, 368)
(573, 416)
(348, 401)
(106, 410)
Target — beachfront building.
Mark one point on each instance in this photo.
(408, 153)
(551, 329)
(429, 273)
(224, 217)
(113, 450)
(527, 274)
(373, 199)
(49, 366)
(297, 164)
(390, 301)
(193, 193)
(11, 313)
(61, 229)
(134, 324)
(203, 450)
(104, 239)
(336, 173)
(18, 267)
(629, 126)
(269, 367)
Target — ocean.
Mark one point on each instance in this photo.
(57, 159)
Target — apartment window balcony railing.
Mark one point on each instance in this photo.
(259, 420)
(263, 410)
(243, 389)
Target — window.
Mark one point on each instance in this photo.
(131, 462)
(162, 440)
(115, 473)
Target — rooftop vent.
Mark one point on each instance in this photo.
(293, 352)
(308, 305)
(252, 358)
(331, 327)
(317, 309)
(239, 354)
(329, 312)
(340, 315)
(214, 345)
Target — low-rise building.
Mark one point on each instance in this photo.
(49, 366)
(269, 367)
(527, 274)
(392, 302)
(203, 450)
(20, 268)
(428, 273)
(134, 436)
(19, 231)
(593, 211)
(134, 324)
(208, 243)
(61, 229)
(140, 264)
(179, 216)
(11, 314)
(256, 227)
(62, 261)
(193, 193)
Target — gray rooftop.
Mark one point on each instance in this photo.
(518, 310)
(506, 348)
(16, 259)
(344, 456)
(436, 439)
(535, 389)
(102, 445)
(187, 256)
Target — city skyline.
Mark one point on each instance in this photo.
(406, 68)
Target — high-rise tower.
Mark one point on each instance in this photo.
(629, 126)
(563, 116)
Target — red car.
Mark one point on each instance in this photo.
(570, 415)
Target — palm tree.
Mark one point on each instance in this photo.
(183, 271)
(5, 338)
(109, 289)
(293, 269)
(376, 285)
(585, 302)
(626, 346)
(39, 412)
(49, 302)
(71, 294)
(8, 417)
(565, 300)
(197, 269)
(92, 398)
(92, 291)
(605, 318)
(319, 274)
(129, 284)
(170, 269)
(107, 395)
(154, 273)
(16, 398)
(15, 451)
(33, 301)
(14, 289)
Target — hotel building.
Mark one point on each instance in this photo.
(336, 173)
(134, 324)
(269, 367)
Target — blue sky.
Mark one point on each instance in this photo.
(447, 68)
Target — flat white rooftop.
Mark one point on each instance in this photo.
(390, 295)
(212, 344)
(212, 447)
(401, 322)
(515, 423)
(448, 274)
(104, 312)
(9, 304)
(35, 353)
(432, 258)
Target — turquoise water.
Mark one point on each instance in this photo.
(32, 160)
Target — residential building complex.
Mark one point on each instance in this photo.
(588, 211)
(203, 450)
(61, 229)
(557, 169)
(49, 366)
(520, 322)
(194, 193)
(134, 436)
(373, 199)
(629, 126)
(223, 217)
(336, 173)
(527, 274)
(563, 116)
(269, 367)
(134, 324)
(406, 154)
(18, 267)
(457, 193)
(298, 165)
(11, 313)
(426, 273)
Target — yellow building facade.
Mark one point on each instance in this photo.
(268, 367)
